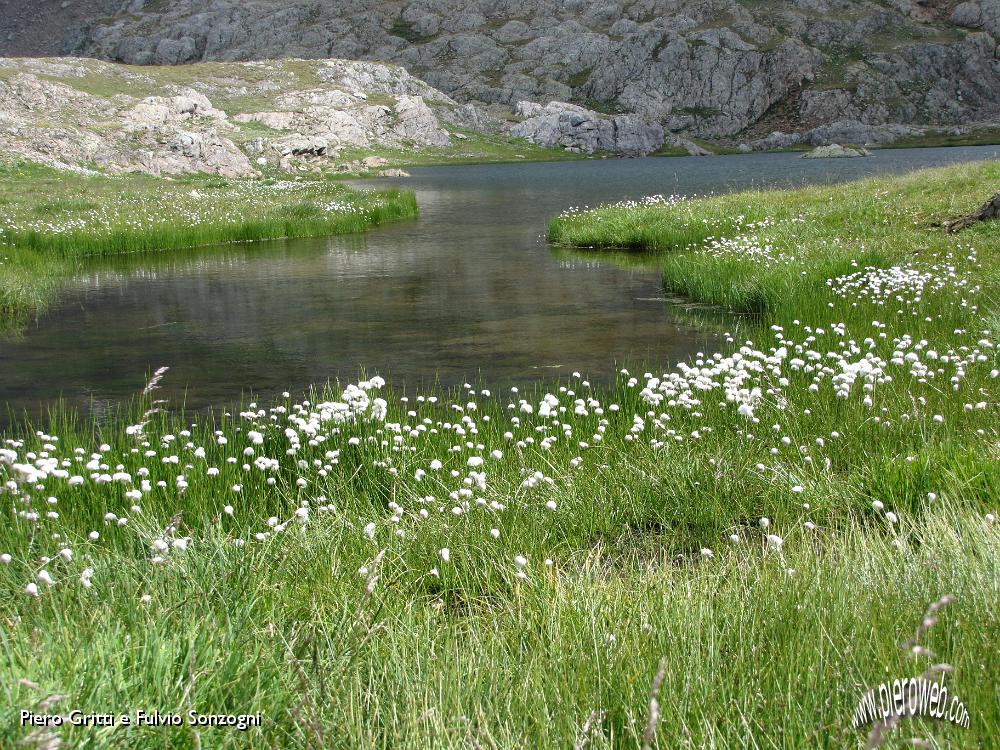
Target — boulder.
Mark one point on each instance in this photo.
(159, 110)
(196, 152)
(836, 151)
(416, 122)
(981, 14)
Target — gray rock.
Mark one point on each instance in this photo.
(853, 131)
(472, 117)
(196, 152)
(981, 14)
(176, 51)
(575, 128)
(776, 140)
(527, 109)
(512, 32)
(416, 122)
(841, 131)
(836, 151)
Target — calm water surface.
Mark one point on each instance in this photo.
(468, 291)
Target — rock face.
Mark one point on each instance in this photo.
(709, 68)
(293, 115)
(980, 14)
(836, 151)
(582, 130)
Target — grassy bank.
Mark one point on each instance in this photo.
(757, 531)
(771, 252)
(51, 219)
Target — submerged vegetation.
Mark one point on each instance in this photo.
(50, 219)
(754, 533)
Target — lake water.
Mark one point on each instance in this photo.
(470, 291)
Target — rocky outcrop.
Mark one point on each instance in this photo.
(415, 122)
(292, 115)
(710, 68)
(156, 111)
(836, 151)
(183, 151)
(581, 130)
(54, 123)
(980, 14)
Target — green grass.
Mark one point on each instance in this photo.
(49, 220)
(826, 231)
(349, 628)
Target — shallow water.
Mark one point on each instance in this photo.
(468, 291)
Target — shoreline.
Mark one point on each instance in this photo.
(51, 220)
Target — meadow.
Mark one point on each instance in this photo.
(51, 219)
(724, 554)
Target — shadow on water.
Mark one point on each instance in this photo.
(470, 291)
(694, 315)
